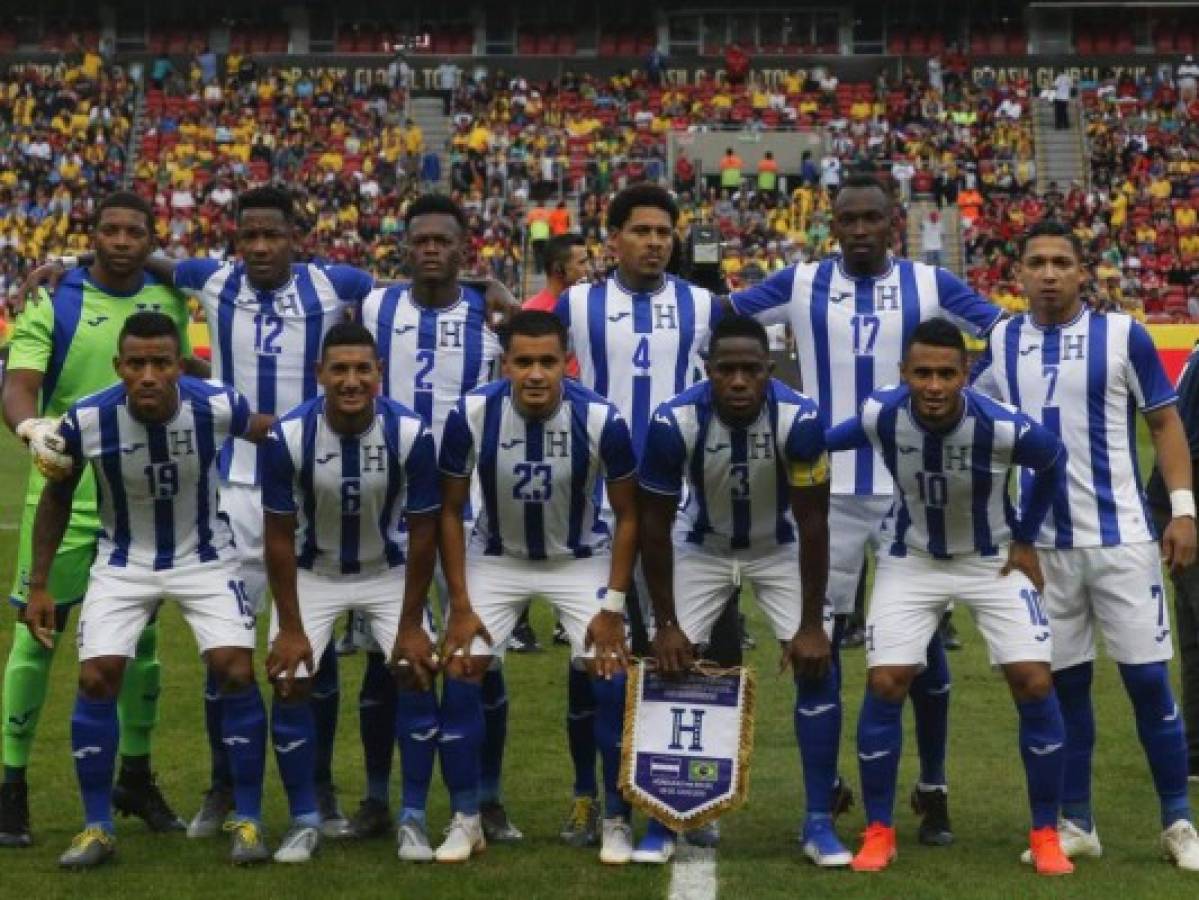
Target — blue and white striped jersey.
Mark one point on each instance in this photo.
(158, 483)
(538, 477)
(953, 487)
(738, 492)
(850, 334)
(1084, 381)
(266, 343)
(349, 491)
(638, 350)
(431, 357)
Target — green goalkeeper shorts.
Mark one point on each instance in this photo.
(68, 573)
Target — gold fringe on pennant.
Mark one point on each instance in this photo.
(745, 746)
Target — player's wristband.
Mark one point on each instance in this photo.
(1182, 503)
(611, 601)
(67, 262)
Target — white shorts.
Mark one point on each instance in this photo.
(853, 523)
(377, 599)
(500, 586)
(242, 505)
(704, 582)
(912, 592)
(1121, 588)
(121, 599)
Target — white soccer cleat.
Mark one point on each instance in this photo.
(1180, 843)
(1076, 842)
(616, 841)
(463, 838)
(412, 843)
(299, 845)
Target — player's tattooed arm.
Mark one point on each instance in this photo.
(49, 526)
(810, 653)
(606, 630)
(672, 649)
(414, 658)
(1174, 460)
(464, 624)
(290, 647)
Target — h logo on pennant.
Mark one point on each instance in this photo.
(695, 729)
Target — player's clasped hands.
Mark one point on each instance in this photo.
(672, 650)
(289, 651)
(809, 654)
(464, 626)
(39, 616)
(606, 633)
(415, 656)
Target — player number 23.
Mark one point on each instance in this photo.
(533, 483)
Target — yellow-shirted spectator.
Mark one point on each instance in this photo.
(1188, 245)
(414, 139)
(1185, 217)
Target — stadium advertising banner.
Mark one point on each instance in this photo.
(687, 743)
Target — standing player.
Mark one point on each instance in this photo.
(1084, 377)
(750, 453)
(152, 442)
(61, 351)
(539, 444)
(851, 316)
(436, 345)
(951, 453)
(338, 473)
(637, 336)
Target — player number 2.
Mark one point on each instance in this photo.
(425, 359)
(934, 488)
(267, 331)
(641, 354)
(534, 482)
(163, 479)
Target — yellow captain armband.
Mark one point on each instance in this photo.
(809, 474)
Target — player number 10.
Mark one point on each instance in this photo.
(934, 488)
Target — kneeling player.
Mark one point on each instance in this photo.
(951, 452)
(538, 444)
(339, 472)
(152, 441)
(734, 442)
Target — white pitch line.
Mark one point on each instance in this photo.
(693, 875)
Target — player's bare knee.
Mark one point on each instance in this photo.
(456, 668)
(1029, 681)
(100, 678)
(232, 667)
(891, 683)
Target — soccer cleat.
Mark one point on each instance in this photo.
(842, 798)
(1180, 843)
(561, 638)
(657, 847)
(1045, 849)
(346, 644)
(463, 839)
(949, 634)
(497, 827)
(704, 836)
(412, 842)
(214, 810)
(14, 815)
(822, 846)
(299, 845)
(616, 846)
(932, 805)
(524, 639)
(139, 795)
(1075, 840)
(334, 825)
(878, 849)
(373, 819)
(582, 825)
(91, 847)
(249, 843)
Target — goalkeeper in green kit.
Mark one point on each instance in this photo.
(62, 351)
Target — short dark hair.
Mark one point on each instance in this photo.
(268, 196)
(866, 181)
(737, 327)
(532, 323)
(348, 334)
(149, 324)
(431, 204)
(126, 200)
(641, 194)
(557, 249)
(1051, 228)
(937, 333)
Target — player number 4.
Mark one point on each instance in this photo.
(641, 354)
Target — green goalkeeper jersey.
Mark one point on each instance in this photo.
(72, 340)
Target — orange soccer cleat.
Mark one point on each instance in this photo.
(878, 849)
(1047, 853)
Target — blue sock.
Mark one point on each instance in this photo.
(459, 742)
(94, 734)
(416, 729)
(818, 732)
(1160, 728)
(221, 776)
(609, 731)
(657, 830)
(326, 695)
(495, 733)
(930, 705)
(294, 736)
(377, 726)
(1073, 687)
(880, 741)
(244, 733)
(1042, 743)
(580, 730)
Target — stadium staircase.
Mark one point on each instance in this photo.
(953, 254)
(136, 130)
(1060, 155)
(429, 114)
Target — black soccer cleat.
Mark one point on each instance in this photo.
(14, 815)
(561, 638)
(842, 798)
(523, 639)
(932, 805)
(372, 820)
(136, 794)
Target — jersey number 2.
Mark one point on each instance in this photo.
(425, 358)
